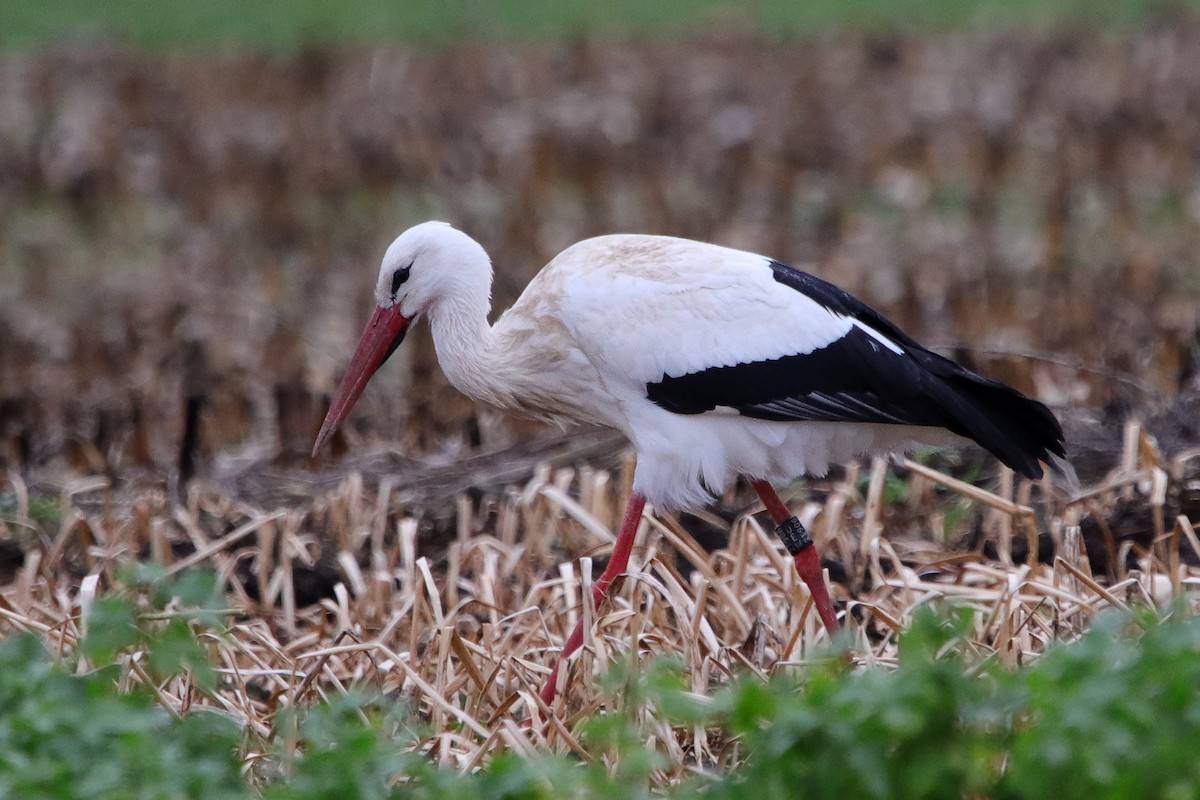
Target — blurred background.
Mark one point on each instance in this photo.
(194, 198)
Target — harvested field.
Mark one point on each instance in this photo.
(337, 593)
(191, 240)
(187, 247)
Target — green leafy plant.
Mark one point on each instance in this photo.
(158, 615)
(1115, 715)
(65, 736)
(1112, 716)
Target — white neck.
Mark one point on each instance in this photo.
(503, 365)
(464, 343)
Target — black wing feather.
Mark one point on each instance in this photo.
(858, 379)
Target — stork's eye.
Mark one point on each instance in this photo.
(399, 277)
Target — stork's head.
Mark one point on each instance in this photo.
(426, 265)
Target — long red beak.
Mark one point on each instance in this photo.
(383, 335)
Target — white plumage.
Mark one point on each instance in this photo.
(714, 362)
(610, 315)
(641, 307)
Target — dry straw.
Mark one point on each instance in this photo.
(466, 632)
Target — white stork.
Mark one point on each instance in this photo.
(714, 362)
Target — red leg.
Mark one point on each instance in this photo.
(617, 565)
(808, 562)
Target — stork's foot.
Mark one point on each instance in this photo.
(617, 565)
(808, 566)
(800, 544)
(550, 687)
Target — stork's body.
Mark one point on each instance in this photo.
(714, 362)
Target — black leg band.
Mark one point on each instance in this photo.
(793, 536)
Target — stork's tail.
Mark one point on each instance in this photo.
(1022, 433)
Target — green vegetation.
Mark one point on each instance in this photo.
(1111, 716)
(65, 735)
(286, 24)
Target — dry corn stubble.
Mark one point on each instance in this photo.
(467, 635)
(189, 238)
